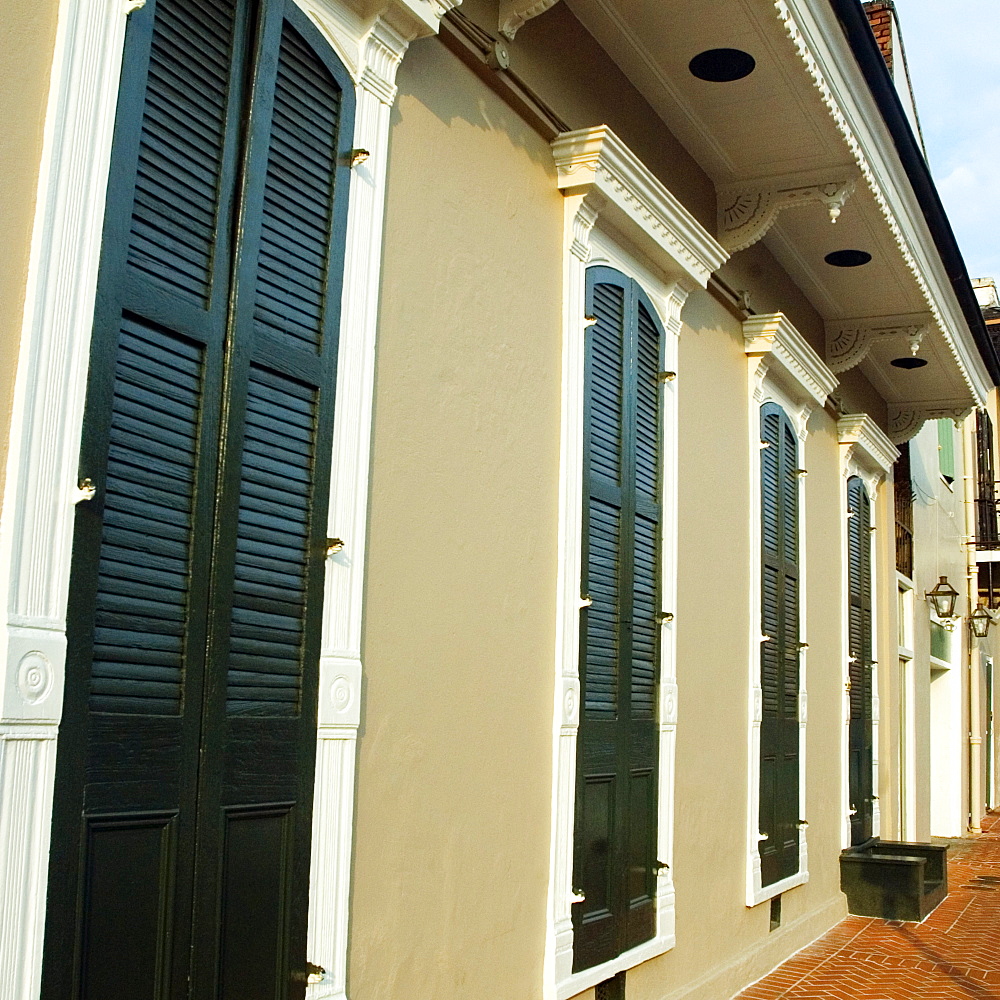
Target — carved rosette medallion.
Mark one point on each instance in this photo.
(34, 677)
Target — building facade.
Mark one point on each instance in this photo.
(452, 541)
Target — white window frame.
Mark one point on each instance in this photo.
(36, 522)
(865, 452)
(907, 745)
(782, 369)
(615, 210)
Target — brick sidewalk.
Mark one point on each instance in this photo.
(954, 954)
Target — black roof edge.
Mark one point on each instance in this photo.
(862, 41)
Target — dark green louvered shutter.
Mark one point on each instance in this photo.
(184, 779)
(859, 589)
(779, 650)
(617, 748)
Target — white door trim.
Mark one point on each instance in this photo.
(865, 452)
(785, 370)
(615, 210)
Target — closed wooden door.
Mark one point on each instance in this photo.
(859, 588)
(779, 648)
(180, 842)
(618, 746)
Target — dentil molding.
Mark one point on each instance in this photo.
(866, 446)
(748, 209)
(783, 356)
(848, 341)
(594, 162)
(876, 161)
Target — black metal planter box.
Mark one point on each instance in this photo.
(893, 880)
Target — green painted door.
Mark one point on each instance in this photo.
(779, 649)
(180, 857)
(859, 589)
(618, 745)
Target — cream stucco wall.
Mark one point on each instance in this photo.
(27, 36)
(454, 780)
(454, 775)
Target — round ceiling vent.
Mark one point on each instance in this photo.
(722, 65)
(847, 258)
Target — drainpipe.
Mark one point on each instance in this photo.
(970, 480)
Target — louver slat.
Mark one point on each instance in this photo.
(606, 381)
(265, 664)
(604, 615)
(142, 590)
(617, 750)
(174, 214)
(779, 652)
(860, 666)
(298, 197)
(647, 441)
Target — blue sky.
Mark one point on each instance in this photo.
(953, 51)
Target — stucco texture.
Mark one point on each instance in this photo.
(27, 36)
(451, 861)
(454, 777)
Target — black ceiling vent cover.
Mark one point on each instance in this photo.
(722, 65)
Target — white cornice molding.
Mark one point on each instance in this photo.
(514, 13)
(848, 341)
(370, 39)
(825, 52)
(864, 444)
(595, 161)
(784, 356)
(905, 420)
(748, 209)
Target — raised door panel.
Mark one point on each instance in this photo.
(197, 576)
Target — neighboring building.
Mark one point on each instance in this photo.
(446, 541)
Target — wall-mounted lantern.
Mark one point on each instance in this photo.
(942, 598)
(980, 621)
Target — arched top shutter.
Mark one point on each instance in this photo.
(780, 649)
(615, 850)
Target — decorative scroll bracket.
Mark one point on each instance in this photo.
(905, 419)
(748, 209)
(514, 13)
(848, 341)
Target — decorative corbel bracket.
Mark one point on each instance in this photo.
(848, 341)
(595, 163)
(781, 354)
(514, 13)
(906, 419)
(864, 445)
(372, 41)
(748, 209)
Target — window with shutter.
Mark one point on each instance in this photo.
(181, 825)
(860, 660)
(617, 748)
(779, 648)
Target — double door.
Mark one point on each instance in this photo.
(180, 843)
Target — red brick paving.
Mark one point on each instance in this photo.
(954, 954)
